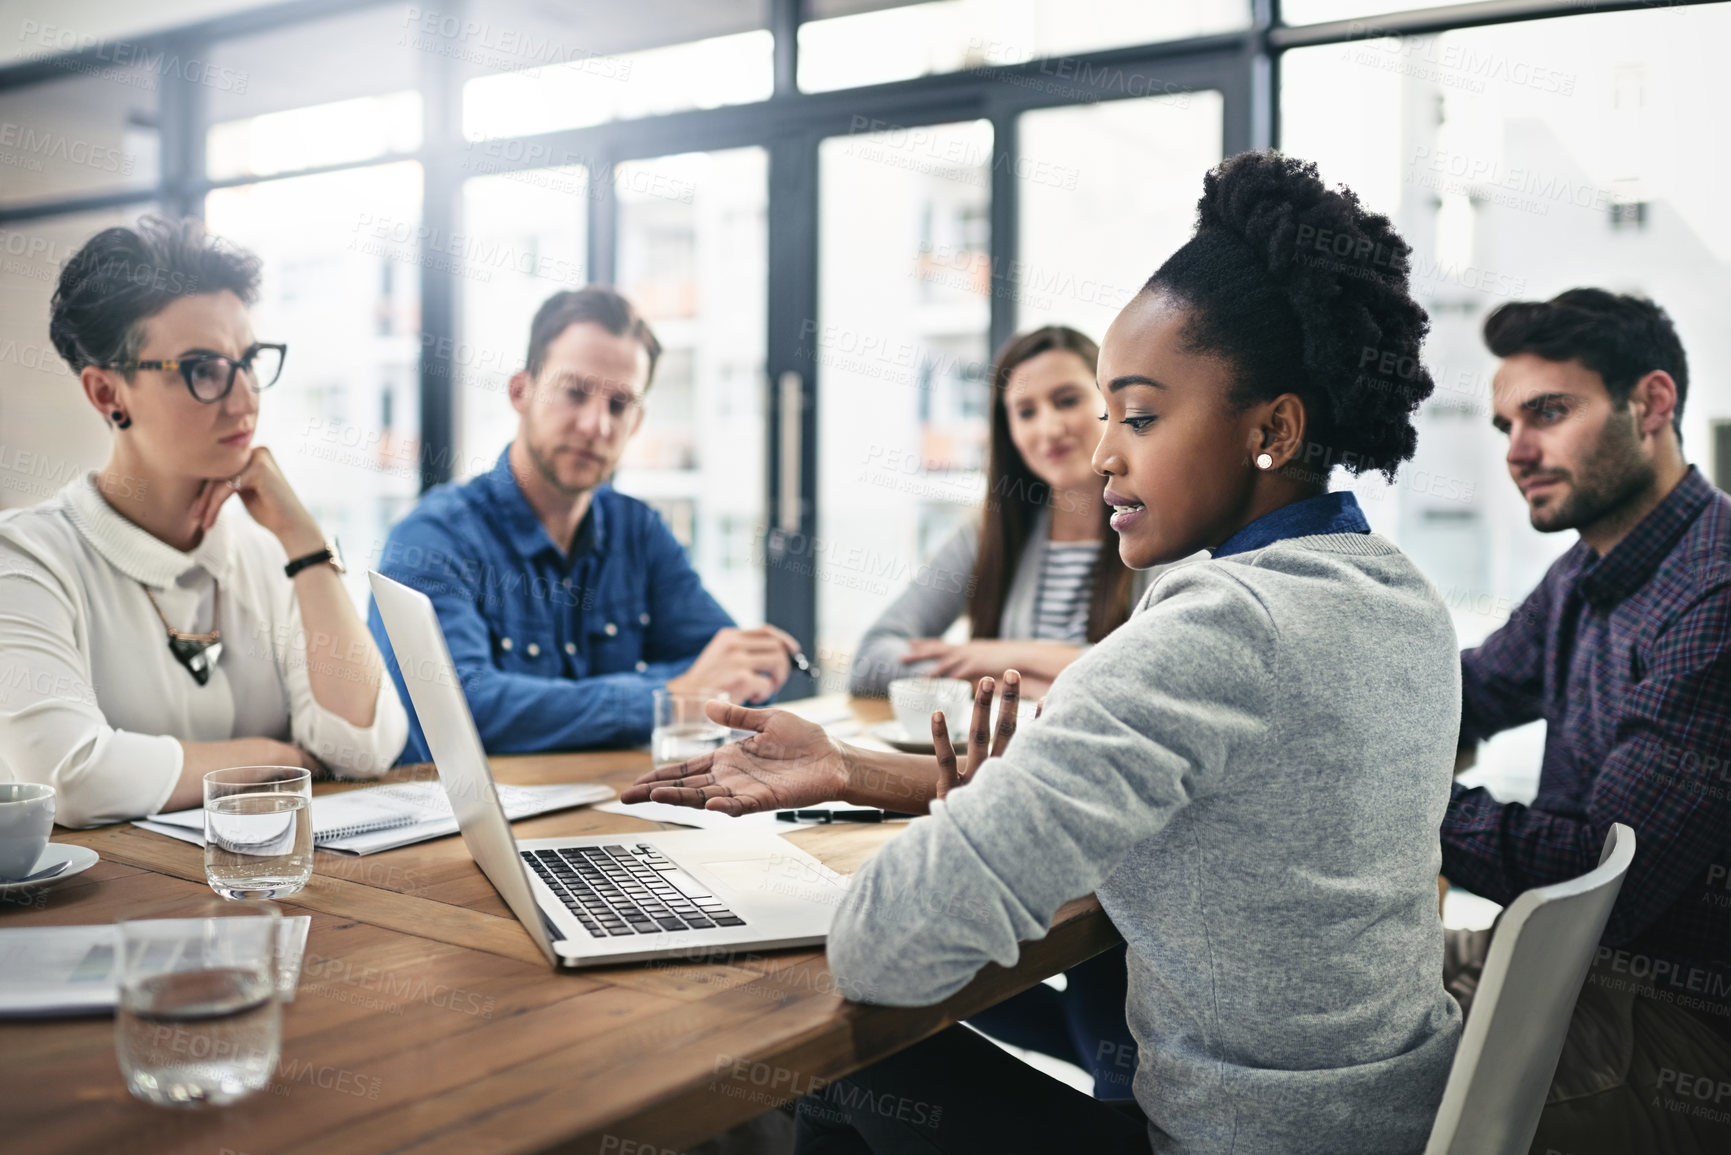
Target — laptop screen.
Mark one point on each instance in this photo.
(437, 694)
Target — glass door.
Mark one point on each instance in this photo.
(692, 256)
(900, 350)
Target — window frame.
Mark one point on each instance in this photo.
(1242, 65)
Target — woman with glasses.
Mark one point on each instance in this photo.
(150, 629)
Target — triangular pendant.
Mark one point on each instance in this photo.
(197, 657)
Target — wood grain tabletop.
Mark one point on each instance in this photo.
(427, 1021)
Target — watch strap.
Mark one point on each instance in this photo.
(317, 558)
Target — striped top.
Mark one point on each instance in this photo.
(1066, 580)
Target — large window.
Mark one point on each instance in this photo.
(1520, 161)
(533, 68)
(900, 346)
(343, 254)
(827, 272)
(848, 43)
(340, 290)
(344, 130)
(593, 89)
(528, 226)
(1111, 191)
(693, 258)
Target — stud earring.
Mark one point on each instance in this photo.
(1263, 461)
(121, 420)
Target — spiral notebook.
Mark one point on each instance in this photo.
(375, 818)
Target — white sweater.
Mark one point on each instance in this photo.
(91, 700)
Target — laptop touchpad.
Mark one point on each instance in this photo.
(782, 875)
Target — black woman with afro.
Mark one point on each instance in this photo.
(1250, 772)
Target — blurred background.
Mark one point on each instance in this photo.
(832, 211)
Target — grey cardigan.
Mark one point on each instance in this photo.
(1250, 773)
(939, 595)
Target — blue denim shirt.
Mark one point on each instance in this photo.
(554, 652)
(1330, 513)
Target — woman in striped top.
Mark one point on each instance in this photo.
(1028, 573)
(1061, 606)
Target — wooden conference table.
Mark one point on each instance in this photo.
(426, 1020)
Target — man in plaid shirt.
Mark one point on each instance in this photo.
(1624, 650)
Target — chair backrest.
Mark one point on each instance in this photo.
(1538, 961)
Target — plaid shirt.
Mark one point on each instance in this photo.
(1627, 658)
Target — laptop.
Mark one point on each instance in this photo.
(602, 899)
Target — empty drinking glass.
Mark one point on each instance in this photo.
(198, 1021)
(258, 831)
(682, 729)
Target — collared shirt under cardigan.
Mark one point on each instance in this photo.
(91, 700)
(1336, 512)
(1627, 658)
(555, 651)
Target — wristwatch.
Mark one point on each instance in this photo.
(332, 553)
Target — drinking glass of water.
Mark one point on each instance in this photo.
(198, 1021)
(682, 729)
(258, 831)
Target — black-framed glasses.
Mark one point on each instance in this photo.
(210, 376)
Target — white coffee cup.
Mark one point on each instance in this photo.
(26, 820)
(914, 699)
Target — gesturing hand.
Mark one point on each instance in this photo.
(982, 742)
(788, 763)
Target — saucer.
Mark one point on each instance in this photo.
(891, 734)
(81, 858)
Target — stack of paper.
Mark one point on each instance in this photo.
(384, 817)
(831, 711)
(69, 970)
(715, 819)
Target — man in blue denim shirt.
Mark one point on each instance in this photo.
(564, 602)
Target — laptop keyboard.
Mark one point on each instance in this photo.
(619, 890)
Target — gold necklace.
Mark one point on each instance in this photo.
(197, 652)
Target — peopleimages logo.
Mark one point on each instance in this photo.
(469, 255)
(32, 149)
(1452, 63)
(446, 33)
(142, 69)
(1486, 178)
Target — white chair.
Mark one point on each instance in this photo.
(1537, 963)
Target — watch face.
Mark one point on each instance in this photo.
(337, 557)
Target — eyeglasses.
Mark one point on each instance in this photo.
(209, 377)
